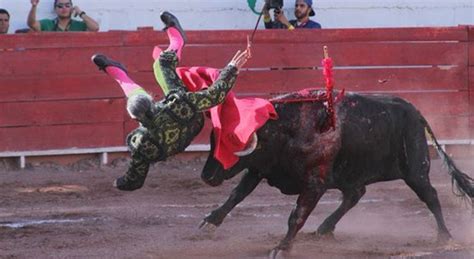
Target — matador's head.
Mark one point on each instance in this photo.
(140, 107)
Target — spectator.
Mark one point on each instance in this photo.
(303, 10)
(4, 21)
(63, 22)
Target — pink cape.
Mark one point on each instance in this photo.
(235, 120)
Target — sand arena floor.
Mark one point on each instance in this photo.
(52, 211)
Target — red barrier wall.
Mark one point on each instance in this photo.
(53, 97)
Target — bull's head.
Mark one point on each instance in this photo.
(214, 173)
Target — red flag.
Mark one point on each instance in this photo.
(329, 78)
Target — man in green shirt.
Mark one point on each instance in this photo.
(63, 22)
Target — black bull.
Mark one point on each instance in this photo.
(376, 138)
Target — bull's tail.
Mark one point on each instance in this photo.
(463, 184)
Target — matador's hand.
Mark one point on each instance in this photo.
(241, 57)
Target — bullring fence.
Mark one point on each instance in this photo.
(54, 101)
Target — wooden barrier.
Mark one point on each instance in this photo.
(53, 97)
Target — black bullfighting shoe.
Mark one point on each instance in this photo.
(171, 21)
(101, 61)
(124, 183)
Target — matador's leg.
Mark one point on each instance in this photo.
(166, 61)
(175, 34)
(139, 102)
(118, 72)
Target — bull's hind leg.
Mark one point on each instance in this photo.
(350, 199)
(416, 176)
(305, 204)
(427, 193)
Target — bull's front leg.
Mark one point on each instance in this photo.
(246, 185)
(305, 204)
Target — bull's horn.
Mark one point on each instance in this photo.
(252, 147)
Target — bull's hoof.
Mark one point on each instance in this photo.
(207, 227)
(444, 238)
(328, 236)
(214, 218)
(278, 253)
(281, 251)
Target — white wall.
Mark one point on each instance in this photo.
(235, 14)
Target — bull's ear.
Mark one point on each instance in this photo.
(251, 147)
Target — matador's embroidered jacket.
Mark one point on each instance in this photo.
(174, 121)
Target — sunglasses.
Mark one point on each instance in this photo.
(61, 6)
